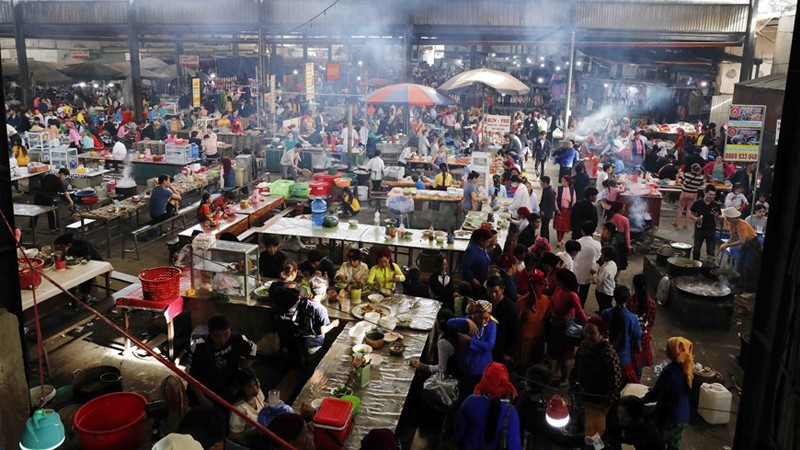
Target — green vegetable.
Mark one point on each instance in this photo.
(330, 222)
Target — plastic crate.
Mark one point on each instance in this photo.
(280, 187)
(178, 153)
(300, 190)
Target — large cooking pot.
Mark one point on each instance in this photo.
(702, 287)
(664, 253)
(362, 177)
(96, 381)
(678, 266)
(124, 192)
(683, 248)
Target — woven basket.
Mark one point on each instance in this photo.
(160, 283)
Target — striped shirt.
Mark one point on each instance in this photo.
(692, 182)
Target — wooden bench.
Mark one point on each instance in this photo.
(181, 215)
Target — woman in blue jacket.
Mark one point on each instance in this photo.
(476, 336)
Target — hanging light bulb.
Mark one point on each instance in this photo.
(558, 68)
(95, 85)
(557, 413)
(43, 431)
(540, 80)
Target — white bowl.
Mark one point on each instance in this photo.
(362, 349)
(35, 393)
(375, 298)
(404, 319)
(372, 317)
(391, 337)
(388, 323)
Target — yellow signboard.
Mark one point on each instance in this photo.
(195, 92)
(310, 82)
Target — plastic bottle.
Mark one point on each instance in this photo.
(376, 221)
(319, 209)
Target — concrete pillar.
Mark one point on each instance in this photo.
(178, 67)
(330, 52)
(22, 55)
(783, 44)
(473, 57)
(235, 46)
(305, 52)
(13, 384)
(408, 42)
(749, 47)
(136, 69)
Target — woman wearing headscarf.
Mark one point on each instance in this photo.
(487, 419)
(476, 338)
(596, 378)
(565, 307)
(671, 392)
(385, 274)
(228, 175)
(565, 199)
(354, 269)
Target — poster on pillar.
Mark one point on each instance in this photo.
(745, 132)
(310, 81)
(189, 61)
(195, 92)
(333, 71)
(496, 125)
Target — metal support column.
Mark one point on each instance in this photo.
(22, 56)
(567, 109)
(330, 52)
(408, 40)
(136, 69)
(749, 48)
(178, 67)
(305, 53)
(235, 46)
(473, 57)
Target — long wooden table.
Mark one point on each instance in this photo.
(68, 279)
(383, 399)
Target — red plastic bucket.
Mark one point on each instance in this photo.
(160, 283)
(114, 420)
(319, 188)
(28, 279)
(327, 178)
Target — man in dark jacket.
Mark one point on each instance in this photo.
(541, 151)
(747, 177)
(547, 206)
(507, 316)
(584, 211)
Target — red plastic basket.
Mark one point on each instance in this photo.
(160, 283)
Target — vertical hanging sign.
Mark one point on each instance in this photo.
(195, 92)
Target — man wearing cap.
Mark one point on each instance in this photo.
(744, 238)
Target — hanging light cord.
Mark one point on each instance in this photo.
(312, 19)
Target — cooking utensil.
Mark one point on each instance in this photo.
(680, 267)
(96, 381)
(664, 253)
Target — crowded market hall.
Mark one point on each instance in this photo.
(378, 225)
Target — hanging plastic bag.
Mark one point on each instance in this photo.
(441, 390)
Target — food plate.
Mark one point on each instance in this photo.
(374, 359)
(463, 234)
(391, 337)
(358, 311)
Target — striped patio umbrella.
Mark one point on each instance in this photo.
(408, 94)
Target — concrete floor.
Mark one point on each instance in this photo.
(716, 349)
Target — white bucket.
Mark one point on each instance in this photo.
(363, 193)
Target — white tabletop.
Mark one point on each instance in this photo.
(223, 226)
(28, 210)
(20, 173)
(68, 279)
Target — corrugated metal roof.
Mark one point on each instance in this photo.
(76, 12)
(198, 12)
(667, 17)
(775, 82)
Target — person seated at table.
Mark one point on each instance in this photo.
(271, 260)
(289, 271)
(293, 429)
(736, 198)
(418, 183)
(223, 200)
(405, 155)
(354, 269)
(214, 360)
(380, 439)
(669, 171)
(79, 249)
(350, 204)
(441, 282)
(250, 400)
(317, 263)
(444, 179)
(306, 313)
(718, 171)
(204, 210)
(163, 200)
(758, 220)
(413, 286)
(385, 274)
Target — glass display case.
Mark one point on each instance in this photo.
(63, 156)
(225, 267)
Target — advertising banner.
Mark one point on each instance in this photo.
(745, 132)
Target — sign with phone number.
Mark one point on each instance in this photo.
(743, 156)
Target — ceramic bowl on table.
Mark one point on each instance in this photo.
(404, 320)
(387, 323)
(397, 348)
(361, 349)
(375, 298)
(372, 317)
